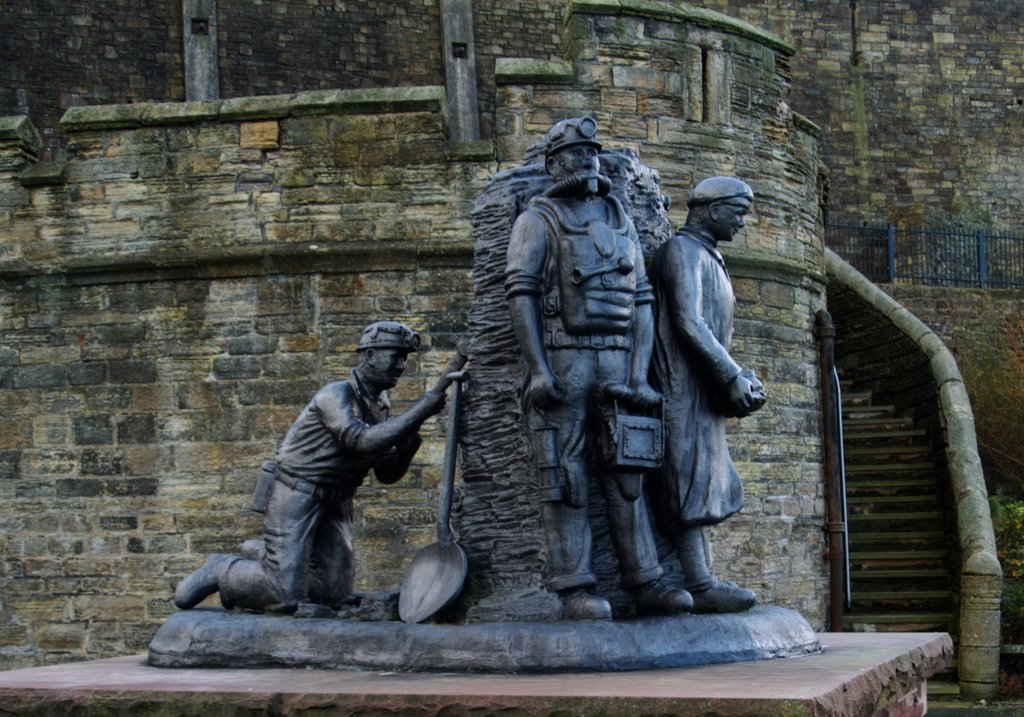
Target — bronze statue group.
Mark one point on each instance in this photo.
(600, 335)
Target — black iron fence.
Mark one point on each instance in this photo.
(942, 257)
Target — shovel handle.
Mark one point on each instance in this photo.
(451, 450)
(456, 363)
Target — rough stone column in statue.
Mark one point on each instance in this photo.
(202, 72)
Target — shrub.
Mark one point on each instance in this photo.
(1008, 522)
(993, 371)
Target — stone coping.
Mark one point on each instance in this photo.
(430, 98)
(248, 260)
(526, 70)
(857, 674)
(974, 520)
(681, 12)
(755, 264)
(18, 128)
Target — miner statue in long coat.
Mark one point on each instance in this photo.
(697, 485)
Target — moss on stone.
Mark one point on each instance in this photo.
(94, 117)
(681, 12)
(19, 128)
(519, 70)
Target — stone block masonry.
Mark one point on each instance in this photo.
(167, 311)
(922, 101)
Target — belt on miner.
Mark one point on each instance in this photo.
(327, 494)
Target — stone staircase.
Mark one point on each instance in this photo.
(898, 533)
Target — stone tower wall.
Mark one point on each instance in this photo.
(922, 101)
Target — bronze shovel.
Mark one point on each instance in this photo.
(438, 572)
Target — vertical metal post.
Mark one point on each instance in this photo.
(835, 496)
(890, 242)
(982, 260)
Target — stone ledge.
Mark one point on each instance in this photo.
(804, 124)
(751, 264)
(372, 101)
(43, 174)
(526, 70)
(681, 12)
(246, 260)
(856, 675)
(19, 129)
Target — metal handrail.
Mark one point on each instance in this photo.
(928, 255)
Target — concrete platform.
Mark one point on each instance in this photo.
(857, 674)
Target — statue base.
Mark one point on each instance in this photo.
(856, 674)
(216, 638)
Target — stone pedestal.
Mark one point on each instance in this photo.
(857, 674)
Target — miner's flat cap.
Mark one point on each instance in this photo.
(719, 189)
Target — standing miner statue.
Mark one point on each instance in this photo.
(580, 304)
(306, 562)
(702, 385)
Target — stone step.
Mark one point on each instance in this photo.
(882, 437)
(859, 485)
(876, 555)
(885, 423)
(938, 584)
(861, 523)
(917, 574)
(890, 467)
(853, 413)
(899, 596)
(891, 506)
(903, 452)
(856, 398)
(895, 560)
(901, 537)
(947, 689)
(898, 622)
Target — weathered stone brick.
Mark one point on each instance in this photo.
(93, 429)
(79, 487)
(101, 462)
(118, 522)
(88, 372)
(259, 135)
(136, 428)
(10, 463)
(232, 367)
(40, 376)
(133, 371)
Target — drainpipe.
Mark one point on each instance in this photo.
(835, 494)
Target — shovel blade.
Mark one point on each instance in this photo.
(434, 579)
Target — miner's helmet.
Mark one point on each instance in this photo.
(389, 335)
(578, 130)
(720, 189)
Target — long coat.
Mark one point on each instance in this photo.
(691, 366)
